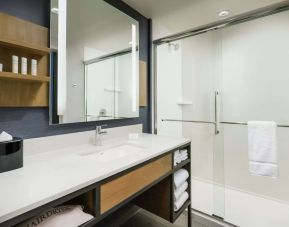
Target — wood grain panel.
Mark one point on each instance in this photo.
(120, 189)
(20, 94)
(143, 84)
(23, 78)
(18, 30)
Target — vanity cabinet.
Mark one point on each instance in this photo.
(148, 185)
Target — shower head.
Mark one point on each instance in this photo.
(176, 46)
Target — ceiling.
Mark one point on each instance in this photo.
(172, 16)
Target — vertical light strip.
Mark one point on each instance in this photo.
(61, 74)
(134, 68)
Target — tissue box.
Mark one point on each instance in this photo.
(11, 155)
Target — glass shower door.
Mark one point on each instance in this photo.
(255, 87)
(188, 73)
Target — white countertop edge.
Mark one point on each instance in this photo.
(44, 201)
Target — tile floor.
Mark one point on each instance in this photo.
(144, 219)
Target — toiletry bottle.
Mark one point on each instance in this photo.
(24, 66)
(15, 64)
(34, 67)
(1, 67)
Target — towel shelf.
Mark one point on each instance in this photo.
(221, 122)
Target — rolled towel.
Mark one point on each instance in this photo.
(180, 190)
(180, 202)
(4, 137)
(180, 177)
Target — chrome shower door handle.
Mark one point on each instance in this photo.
(217, 120)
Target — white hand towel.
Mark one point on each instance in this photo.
(180, 202)
(180, 190)
(4, 137)
(180, 177)
(262, 148)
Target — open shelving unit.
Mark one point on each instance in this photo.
(23, 39)
(27, 47)
(24, 78)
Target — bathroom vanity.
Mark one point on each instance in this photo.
(134, 169)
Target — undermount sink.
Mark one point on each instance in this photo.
(112, 153)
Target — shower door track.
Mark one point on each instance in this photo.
(255, 14)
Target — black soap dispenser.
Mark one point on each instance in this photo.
(11, 154)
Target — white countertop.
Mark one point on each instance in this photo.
(51, 175)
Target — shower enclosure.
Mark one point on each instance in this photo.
(208, 84)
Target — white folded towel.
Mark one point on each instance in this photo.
(180, 190)
(180, 202)
(180, 177)
(184, 157)
(4, 137)
(177, 154)
(184, 152)
(177, 157)
(262, 148)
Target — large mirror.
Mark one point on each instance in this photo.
(94, 62)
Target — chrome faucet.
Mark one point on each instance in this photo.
(98, 135)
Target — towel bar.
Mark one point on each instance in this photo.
(221, 122)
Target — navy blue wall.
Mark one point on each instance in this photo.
(34, 122)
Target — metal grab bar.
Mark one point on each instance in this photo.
(221, 122)
(201, 122)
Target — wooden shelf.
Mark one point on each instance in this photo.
(24, 78)
(27, 47)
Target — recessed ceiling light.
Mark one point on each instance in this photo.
(224, 13)
(54, 10)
